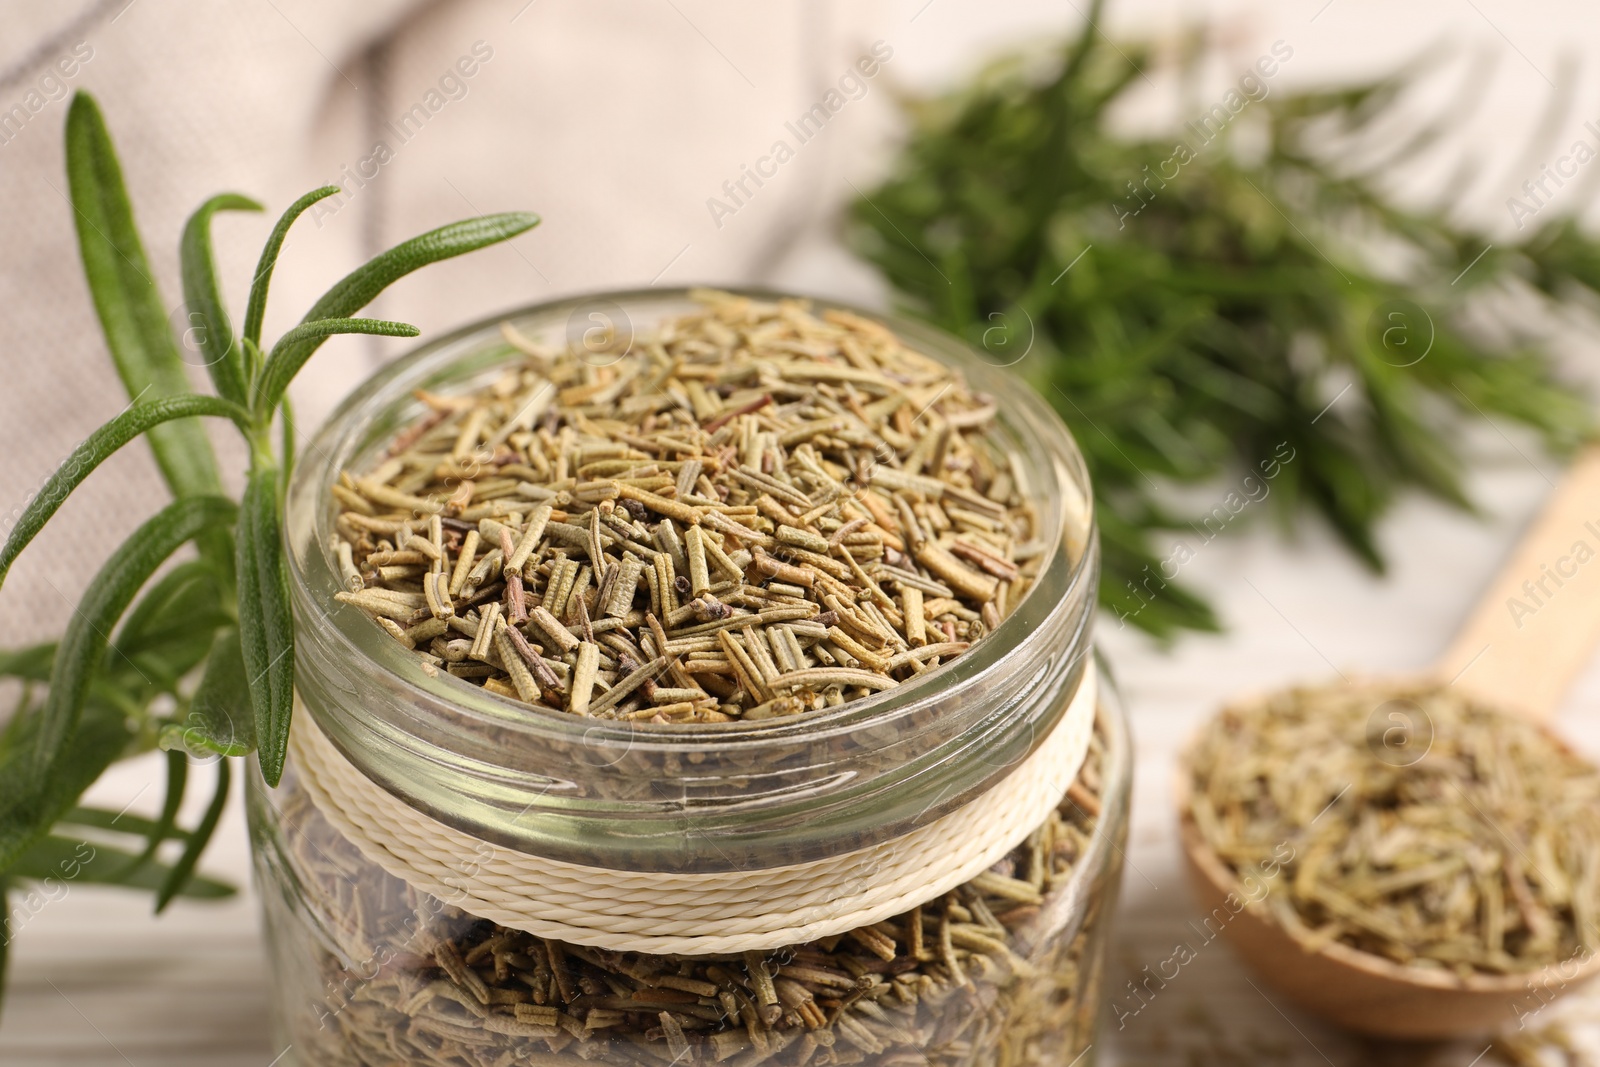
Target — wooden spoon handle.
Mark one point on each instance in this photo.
(1536, 625)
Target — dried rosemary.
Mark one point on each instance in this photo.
(1477, 851)
(757, 512)
(986, 974)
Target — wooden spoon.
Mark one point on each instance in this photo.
(1520, 649)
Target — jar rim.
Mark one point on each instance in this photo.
(343, 641)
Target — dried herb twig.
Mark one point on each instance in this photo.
(1424, 827)
(985, 974)
(757, 512)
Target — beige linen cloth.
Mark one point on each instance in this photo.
(619, 121)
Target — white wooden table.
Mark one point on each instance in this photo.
(96, 980)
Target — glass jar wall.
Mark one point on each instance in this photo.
(1003, 969)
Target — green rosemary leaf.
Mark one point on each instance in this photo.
(256, 310)
(30, 664)
(358, 288)
(24, 709)
(177, 641)
(5, 942)
(181, 880)
(321, 328)
(220, 720)
(189, 587)
(208, 315)
(32, 797)
(122, 822)
(266, 629)
(313, 334)
(1147, 599)
(80, 862)
(109, 594)
(286, 436)
(168, 630)
(147, 416)
(252, 359)
(163, 668)
(177, 780)
(130, 307)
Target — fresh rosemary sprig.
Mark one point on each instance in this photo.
(122, 678)
(1222, 300)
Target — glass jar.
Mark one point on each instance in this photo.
(374, 966)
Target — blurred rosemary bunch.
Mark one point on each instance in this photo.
(1216, 303)
(191, 652)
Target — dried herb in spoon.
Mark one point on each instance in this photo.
(1425, 827)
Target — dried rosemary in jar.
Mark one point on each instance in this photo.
(719, 692)
(970, 977)
(758, 512)
(1424, 827)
